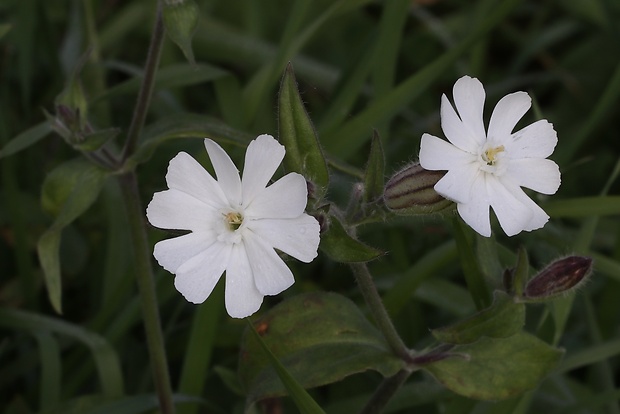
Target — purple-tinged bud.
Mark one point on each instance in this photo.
(561, 276)
(410, 191)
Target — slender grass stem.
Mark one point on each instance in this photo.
(148, 298)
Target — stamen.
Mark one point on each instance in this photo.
(489, 155)
(233, 219)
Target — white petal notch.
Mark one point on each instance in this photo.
(486, 169)
(236, 224)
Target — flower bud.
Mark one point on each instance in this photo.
(559, 277)
(180, 20)
(410, 191)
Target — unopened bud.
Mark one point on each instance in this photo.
(558, 278)
(181, 20)
(410, 191)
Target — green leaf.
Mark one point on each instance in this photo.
(297, 134)
(182, 74)
(521, 272)
(320, 338)
(584, 207)
(303, 400)
(106, 359)
(350, 136)
(68, 191)
(186, 126)
(4, 29)
(97, 139)
(473, 276)
(339, 246)
(493, 369)
(27, 138)
(502, 319)
(375, 170)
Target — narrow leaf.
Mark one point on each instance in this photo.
(473, 276)
(493, 369)
(297, 134)
(186, 126)
(375, 170)
(106, 359)
(27, 138)
(502, 319)
(341, 247)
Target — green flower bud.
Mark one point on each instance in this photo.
(181, 20)
(410, 191)
(561, 276)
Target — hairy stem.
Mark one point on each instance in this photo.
(146, 89)
(375, 304)
(146, 286)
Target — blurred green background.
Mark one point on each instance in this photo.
(361, 65)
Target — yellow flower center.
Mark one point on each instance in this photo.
(489, 155)
(233, 219)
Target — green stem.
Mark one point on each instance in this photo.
(385, 392)
(373, 300)
(146, 89)
(146, 285)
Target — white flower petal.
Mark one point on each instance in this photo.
(242, 297)
(172, 253)
(286, 198)
(457, 133)
(173, 209)
(271, 275)
(457, 184)
(262, 159)
(226, 171)
(476, 212)
(297, 237)
(187, 175)
(437, 154)
(536, 140)
(508, 111)
(512, 214)
(197, 277)
(538, 174)
(469, 98)
(539, 217)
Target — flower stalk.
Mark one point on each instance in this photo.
(375, 304)
(146, 89)
(148, 298)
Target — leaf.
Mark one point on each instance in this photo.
(186, 126)
(375, 170)
(302, 399)
(474, 278)
(27, 138)
(297, 134)
(341, 247)
(502, 319)
(492, 369)
(97, 139)
(182, 74)
(320, 338)
(68, 191)
(106, 359)
(584, 207)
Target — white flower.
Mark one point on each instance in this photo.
(488, 169)
(235, 225)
